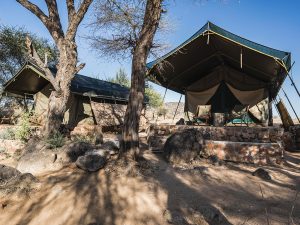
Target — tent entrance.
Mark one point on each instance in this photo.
(223, 101)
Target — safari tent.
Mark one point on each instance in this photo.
(218, 68)
(92, 101)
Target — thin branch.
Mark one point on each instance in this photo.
(266, 210)
(291, 221)
(133, 25)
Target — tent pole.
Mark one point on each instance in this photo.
(165, 95)
(293, 83)
(177, 107)
(291, 79)
(290, 104)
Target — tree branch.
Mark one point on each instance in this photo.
(71, 9)
(35, 10)
(52, 22)
(37, 60)
(80, 67)
(75, 20)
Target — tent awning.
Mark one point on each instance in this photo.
(211, 48)
(30, 80)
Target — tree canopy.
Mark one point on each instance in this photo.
(155, 98)
(13, 51)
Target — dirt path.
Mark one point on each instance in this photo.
(159, 193)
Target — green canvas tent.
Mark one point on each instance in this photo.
(89, 96)
(222, 69)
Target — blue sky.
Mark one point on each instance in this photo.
(275, 23)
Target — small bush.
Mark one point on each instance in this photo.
(8, 134)
(91, 139)
(24, 131)
(55, 141)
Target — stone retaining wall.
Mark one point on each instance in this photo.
(249, 152)
(243, 144)
(157, 134)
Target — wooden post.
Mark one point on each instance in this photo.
(270, 110)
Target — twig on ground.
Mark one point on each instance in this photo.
(291, 221)
(266, 210)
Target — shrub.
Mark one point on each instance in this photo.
(24, 131)
(56, 140)
(91, 139)
(8, 134)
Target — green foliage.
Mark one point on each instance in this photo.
(55, 141)
(120, 78)
(23, 132)
(8, 134)
(155, 99)
(13, 52)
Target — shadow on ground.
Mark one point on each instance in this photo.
(153, 192)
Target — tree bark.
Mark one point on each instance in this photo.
(130, 137)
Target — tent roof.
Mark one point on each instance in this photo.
(30, 80)
(211, 47)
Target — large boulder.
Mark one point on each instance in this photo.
(183, 146)
(38, 162)
(43, 160)
(91, 162)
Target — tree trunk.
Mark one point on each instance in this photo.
(130, 134)
(59, 97)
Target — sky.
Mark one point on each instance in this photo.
(274, 23)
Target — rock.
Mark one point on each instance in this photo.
(110, 145)
(261, 173)
(7, 173)
(215, 160)
(34, 144)
(91, 162)
(72, 151)
(183, 146)
(180, 122)
(168, 216)
(102, 152)
(38, 162)
(19, 186)
(212, 215)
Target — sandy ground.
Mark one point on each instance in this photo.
(158, 193)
